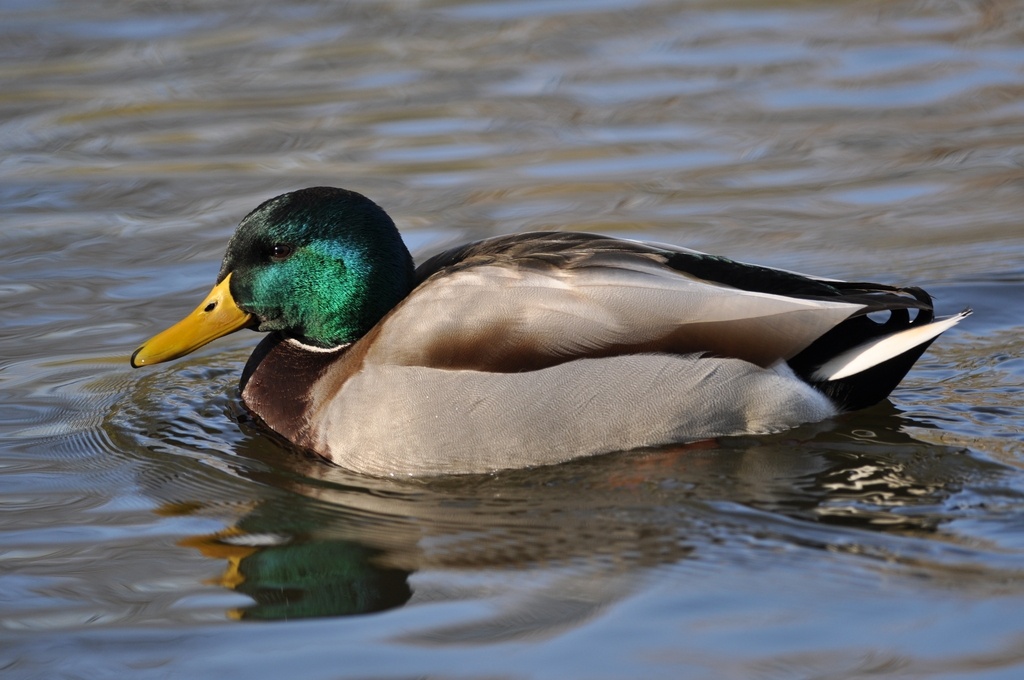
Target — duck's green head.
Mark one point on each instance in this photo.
(322, 265)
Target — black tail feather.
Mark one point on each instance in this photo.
(874, 384)
(863, 389)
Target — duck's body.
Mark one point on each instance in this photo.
(538, 348)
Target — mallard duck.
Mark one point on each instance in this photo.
(531, 349)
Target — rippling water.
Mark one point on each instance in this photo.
(147, 524)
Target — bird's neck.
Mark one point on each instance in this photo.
(277, 384)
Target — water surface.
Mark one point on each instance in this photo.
(149, 530)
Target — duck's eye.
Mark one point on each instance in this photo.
(280, 252)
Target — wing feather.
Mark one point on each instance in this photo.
(508, 316)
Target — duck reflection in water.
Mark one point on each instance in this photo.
(336, 543)
(289, 576)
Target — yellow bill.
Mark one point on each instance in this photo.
(215, 317)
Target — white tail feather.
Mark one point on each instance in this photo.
(863, 357)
